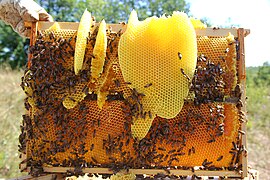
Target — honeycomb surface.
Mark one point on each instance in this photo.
(152, 54)
(83, 30)
(149, 58)
(204, 133)
(99, 51)
(220, 50)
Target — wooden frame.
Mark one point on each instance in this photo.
(242, 81)
(213, 32)
(148, 171)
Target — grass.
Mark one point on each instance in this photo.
(11, 109)
(258, 106)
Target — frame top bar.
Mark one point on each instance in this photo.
(213, 32)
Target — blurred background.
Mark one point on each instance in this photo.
(242, 13)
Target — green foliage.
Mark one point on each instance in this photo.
(113, 11)
(12, 47)
(263, 75)
(258, 105)
(61, 10)
(258, 93)
(159, 7)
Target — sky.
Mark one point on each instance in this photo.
(248, 14)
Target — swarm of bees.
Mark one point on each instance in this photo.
(206, 133)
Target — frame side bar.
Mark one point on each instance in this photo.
(242, 81)
(32, 40)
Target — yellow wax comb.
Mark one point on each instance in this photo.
(99, 52)
(82, 34)
(197, 24)
(55, 27)
(158, 56)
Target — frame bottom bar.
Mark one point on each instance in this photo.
(148, 171)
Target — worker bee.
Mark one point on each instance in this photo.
(92, 147)
(206, 163)
(52, 36)
(94, 160)
(212, 139)
(166, 157)
(193, 149)
(222, 58)
(94, 133)
(241, 132)
(119, 33)
(189, 152)
(148, 85)
(220, 158)
(180, 55)
(122, 23)
(201, 58)
(117, 83)
(129, 83)
(150, 114)
(185, 75)
(171, 151)
(98, 122)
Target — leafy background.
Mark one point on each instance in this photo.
(13, 57)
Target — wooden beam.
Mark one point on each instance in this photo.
(28, 24)
(147, 171)
(23, 166)
(242, 66)
(116, 27)
(242, 81)
(42, 177)
(222, 32)
(32, 40)
(240, 33)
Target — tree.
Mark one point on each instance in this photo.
(263, 76)
(160, 7)
(13, 48)
(119, 10)
(62, 10)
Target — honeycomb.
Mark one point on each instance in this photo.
(197, 24)
(55, 27)
(151, 47)
(152, 54)
(83, 30)
(99, 51)
(97, 62)
(204, 133)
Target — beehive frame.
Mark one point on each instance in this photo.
(238, 33)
